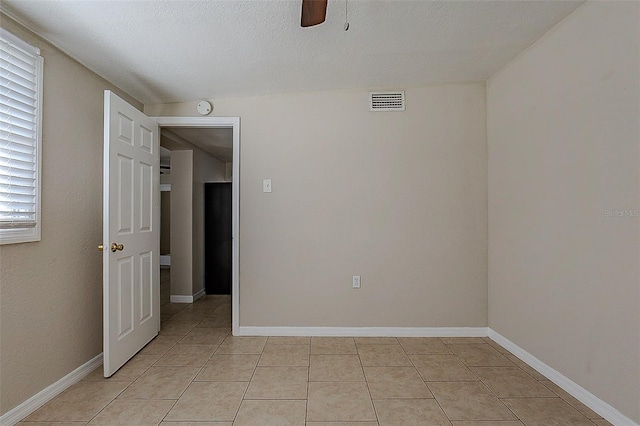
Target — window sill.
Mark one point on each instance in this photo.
(19, 235)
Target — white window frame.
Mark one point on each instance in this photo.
(33, 233)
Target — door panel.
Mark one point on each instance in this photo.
(131, 273)
(124, 183)
(146, 198)
(124, 282)
(146, 287)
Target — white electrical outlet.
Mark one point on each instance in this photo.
(356, 281)
(266, 185)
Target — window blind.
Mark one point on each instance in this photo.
(20, 103)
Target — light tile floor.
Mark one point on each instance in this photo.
(196, 373)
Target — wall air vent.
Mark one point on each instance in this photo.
(386, 101)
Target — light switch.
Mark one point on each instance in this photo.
(356, 281)
(266, 185)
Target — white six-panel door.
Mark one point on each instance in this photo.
(131, 280)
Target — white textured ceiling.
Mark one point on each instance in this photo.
(168, 51)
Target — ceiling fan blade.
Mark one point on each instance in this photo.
(313, 12)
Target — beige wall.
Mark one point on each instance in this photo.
(564, 132)
(397, 197)
(181, 223)
(51, 291)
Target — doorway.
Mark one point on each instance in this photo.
(232, 171)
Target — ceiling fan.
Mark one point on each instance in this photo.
(314, 12)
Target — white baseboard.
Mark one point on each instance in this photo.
(187, 299)
(607, 412)
(198, 295)
(366, 331)
(18, 413)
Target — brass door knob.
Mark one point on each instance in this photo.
(115, 247)
(101, 247)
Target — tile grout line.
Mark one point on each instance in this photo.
(197, 373)
(487, 387)
(470, 371)
(306, 404)
(375, 411)
(244, 394)
(511, 366)
(427, 384)
(192, 380)
(496, 346)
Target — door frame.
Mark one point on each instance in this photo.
(233, 123)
